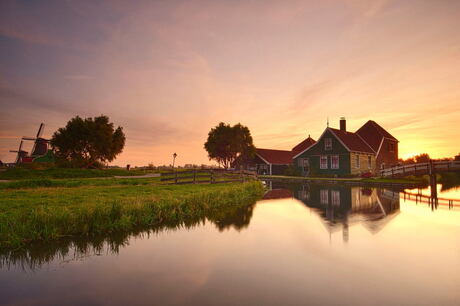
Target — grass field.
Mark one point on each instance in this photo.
(49, 209)
(18, 173)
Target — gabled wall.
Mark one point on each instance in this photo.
(385, 156)
(318, 149)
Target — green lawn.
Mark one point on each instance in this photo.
(86, 207)
(19, 173)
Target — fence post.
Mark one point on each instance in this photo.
(241, 175)
(194, 176)
(212, 177)
(175, 177)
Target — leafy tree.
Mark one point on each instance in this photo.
(422, 158)
(88, 142)
(227, 143)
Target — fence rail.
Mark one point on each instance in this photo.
(422, 168)
(207, 176)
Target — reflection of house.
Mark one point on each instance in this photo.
(343, 206)
(278, 194)
(339, 152)
(276, 162)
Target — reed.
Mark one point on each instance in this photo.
(45, 214)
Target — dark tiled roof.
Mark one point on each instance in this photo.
(373, 133)
(352, 141)
(303, 145)
(280, 157)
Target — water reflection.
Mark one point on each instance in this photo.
(341, 206)
(37, 254)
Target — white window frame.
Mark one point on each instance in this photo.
(321, 164)
(358, 161)
(327, 144)
(337, 165)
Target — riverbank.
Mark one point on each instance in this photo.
(412, 182)
(101, 207)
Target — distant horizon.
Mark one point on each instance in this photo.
(168, 72)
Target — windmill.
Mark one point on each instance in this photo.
(21, 153)
(40, 146)
(39, 149)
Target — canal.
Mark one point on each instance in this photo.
(301, 244)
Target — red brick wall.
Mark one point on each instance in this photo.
(388, 153)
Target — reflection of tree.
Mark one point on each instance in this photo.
(37, 254)
(238, 218)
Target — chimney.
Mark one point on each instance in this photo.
(343, 124)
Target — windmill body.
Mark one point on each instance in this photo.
(40, 151)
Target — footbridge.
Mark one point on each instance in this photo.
(429, 168)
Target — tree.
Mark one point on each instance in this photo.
(227, 143)
(88, 142)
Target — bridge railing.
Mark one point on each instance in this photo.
(421, 168)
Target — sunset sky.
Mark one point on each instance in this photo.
(168, 71)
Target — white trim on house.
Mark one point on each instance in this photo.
(380, 146)
(366, 143)
(262, 158)
(297, 155)
(341, 142)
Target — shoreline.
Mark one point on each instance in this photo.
(378, 182)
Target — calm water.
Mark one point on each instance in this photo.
(304, 244)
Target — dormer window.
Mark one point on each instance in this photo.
(327, 144)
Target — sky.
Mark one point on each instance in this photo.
(169, 71)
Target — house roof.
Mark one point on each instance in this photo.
(303, 145)
(352, 141)
(373, 133)
(279, 157)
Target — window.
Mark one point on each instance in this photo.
(334, 162)
(323, 162)
(327, 144)
(335, 197)
(306, 162)
(358, 164)
(324, 195)
(369, 161)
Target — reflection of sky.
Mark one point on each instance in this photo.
(167, 71)
(453, 193)
(285, 256)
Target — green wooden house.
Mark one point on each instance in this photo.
(337, 153)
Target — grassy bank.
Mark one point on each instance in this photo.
(44, 214)
(19, 173)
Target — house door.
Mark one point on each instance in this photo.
(306, 167)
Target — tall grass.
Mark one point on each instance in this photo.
(41, 218)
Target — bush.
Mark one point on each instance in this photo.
(292, 171)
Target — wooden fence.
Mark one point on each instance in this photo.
(207, 176)
(422, 168)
